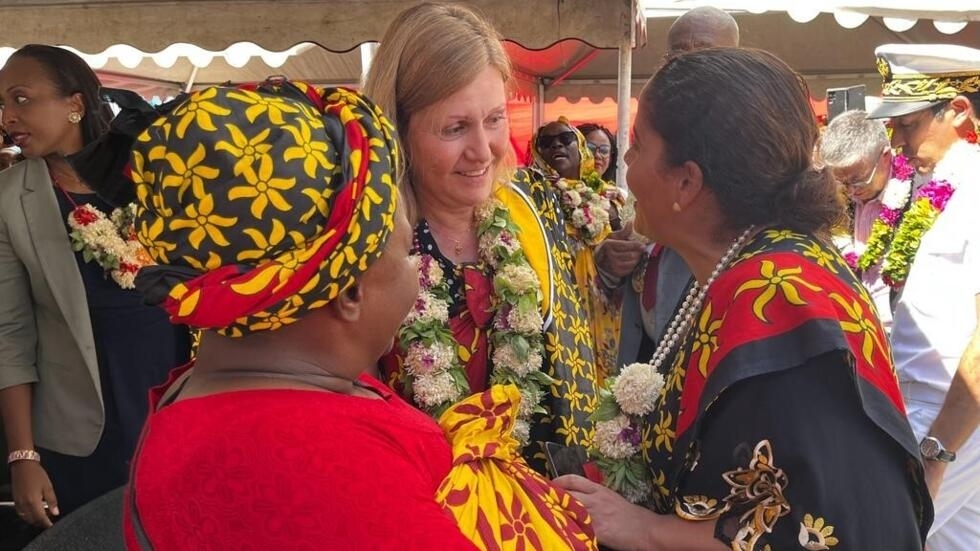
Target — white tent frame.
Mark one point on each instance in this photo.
(338, 25)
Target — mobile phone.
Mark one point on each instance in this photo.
(564, 459)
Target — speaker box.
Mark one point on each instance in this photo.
(844, 99)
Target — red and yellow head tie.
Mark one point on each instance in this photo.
(262, 204)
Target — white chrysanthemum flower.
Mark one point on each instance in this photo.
(436, 309)
(637, 388)
(428, 308)
(599, 209)
(435, 388)
(486, 210)
(487, 242)
(422, 359)
(579, 219)
(896, 194)
(609, 440)
(521, 431)
(126, 280)
(534, 361)
(504, 356)
(572, 198)
(430, 271)
(530, 398)
(525, 320)
(521, 277)
(508, 241)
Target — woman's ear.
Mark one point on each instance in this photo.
(689, 183)
(347, 305)
(77, 103)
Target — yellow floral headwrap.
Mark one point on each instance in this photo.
(262, 204)
(586, 159)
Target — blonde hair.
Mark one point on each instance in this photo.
(430, 52)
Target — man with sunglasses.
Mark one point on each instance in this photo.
(856, 151)
(931, 93)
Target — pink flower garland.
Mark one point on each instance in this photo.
(895, 198)
(929, 202)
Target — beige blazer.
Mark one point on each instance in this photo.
(45, 328)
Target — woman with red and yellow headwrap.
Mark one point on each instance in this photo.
(272, 214)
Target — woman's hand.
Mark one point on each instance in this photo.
(619, 253)
(618, 523)
(32, 489)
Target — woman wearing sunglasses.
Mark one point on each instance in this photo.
(591, 208)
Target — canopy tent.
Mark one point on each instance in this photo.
(564, 50)
(93, 26)
(337, 25)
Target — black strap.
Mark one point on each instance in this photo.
(134, 518)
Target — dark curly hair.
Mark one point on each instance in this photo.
(590, 127)
(744, 117)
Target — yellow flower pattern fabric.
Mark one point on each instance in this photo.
(603, 310)
(498, 501)
(785, 365)
(261, 204)
(569, 346)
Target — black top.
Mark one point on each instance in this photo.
(136, 344)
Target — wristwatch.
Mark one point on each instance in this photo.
(932, 449)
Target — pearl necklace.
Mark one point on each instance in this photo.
(682, 321)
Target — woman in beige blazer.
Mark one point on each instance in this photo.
(78, 351)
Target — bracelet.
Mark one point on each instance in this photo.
(23, 455)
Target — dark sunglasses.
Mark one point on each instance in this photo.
(545, 141)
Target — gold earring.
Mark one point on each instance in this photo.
(74, 117)
(676, 207)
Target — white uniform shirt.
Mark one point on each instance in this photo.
(937, 314)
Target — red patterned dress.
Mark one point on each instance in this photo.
(782, 422)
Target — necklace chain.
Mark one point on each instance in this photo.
(457, 243)
(57, 184)
(681, 324)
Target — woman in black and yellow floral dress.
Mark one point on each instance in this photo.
(590, 208)
(780, 425)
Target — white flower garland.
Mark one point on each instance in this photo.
(896, 194)
(433, 373)
(623, 402)
(109, 241)
(585, 206)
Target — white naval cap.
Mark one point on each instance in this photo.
(918, 76)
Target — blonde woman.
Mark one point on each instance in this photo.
(442, 72)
